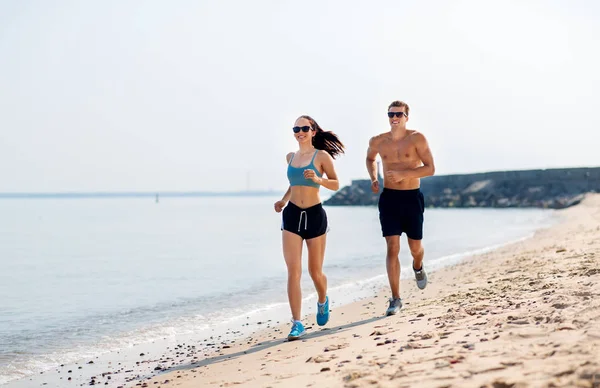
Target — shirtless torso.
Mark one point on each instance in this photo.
(399, 155)
(406, 158)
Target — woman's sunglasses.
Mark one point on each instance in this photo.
(397, 114)
(303, 129)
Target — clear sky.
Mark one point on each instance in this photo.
(116, 95)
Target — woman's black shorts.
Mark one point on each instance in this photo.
(307, 223)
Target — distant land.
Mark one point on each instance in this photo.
(141, 194)
(548, 188)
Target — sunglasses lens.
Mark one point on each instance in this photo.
(305, 129)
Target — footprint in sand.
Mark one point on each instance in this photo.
(331, 348)
(319, 359)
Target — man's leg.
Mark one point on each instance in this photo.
(414, 231)
(392, 264)
(391, 229)
(417, 252)
(393, 270)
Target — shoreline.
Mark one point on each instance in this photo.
(227, 331)
(522, 315)
(177, 359)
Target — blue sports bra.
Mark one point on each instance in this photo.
(296, 174)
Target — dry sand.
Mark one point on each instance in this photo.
(526, 315)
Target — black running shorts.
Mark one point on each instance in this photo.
(307, 223)
(401, 211)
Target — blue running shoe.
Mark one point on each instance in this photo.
(297, 331)
(323, 312)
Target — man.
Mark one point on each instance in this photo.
(406, 158)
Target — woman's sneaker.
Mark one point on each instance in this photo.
(297, 331)
(323, 312)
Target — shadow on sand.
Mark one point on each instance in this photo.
(268, 344)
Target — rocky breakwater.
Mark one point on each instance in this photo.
(551, 188)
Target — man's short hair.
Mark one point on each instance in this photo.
(400, 104)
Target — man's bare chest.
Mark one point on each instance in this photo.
(398, 151)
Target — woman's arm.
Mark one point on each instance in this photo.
(326, 161)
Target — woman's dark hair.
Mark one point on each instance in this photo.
(325, 140)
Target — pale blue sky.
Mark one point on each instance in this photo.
(199, 95)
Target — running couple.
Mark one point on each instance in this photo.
(406, 158)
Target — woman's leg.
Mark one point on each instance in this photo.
(292, 252)
(316, 254)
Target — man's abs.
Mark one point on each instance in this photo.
(405, 184)
(398, 156)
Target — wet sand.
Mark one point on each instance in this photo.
(525, 315)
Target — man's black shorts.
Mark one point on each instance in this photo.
(401, 211)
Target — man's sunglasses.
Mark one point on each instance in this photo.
(397, 114)
(306, 128)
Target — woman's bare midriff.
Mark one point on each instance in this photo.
(305, 196)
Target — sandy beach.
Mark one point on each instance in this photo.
(526, 315)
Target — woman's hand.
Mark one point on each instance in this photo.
(279, 205)
(310, 174)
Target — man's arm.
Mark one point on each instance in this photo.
(371, 159)
(424, 153)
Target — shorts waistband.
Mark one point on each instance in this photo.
(410, 192)
(307, 209)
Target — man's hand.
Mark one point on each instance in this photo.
(310, 174)
(395, 176)
(279, 205)
(375, 186)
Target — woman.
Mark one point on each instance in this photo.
(304, 218)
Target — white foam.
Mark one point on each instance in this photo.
(199, 325)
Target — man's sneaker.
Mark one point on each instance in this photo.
(395, 306)
(421, 277)
(297, 331)
(323, 312)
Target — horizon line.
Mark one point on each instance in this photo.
(89, 194)
(197, 193)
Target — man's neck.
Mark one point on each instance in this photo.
(398, 132)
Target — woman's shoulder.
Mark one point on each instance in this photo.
(289, 156)
(322, 155)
